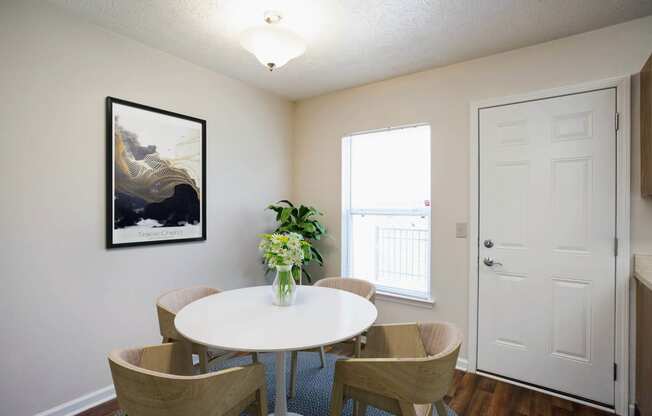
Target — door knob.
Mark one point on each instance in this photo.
(490, 261)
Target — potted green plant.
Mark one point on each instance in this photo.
(283, 252)
(304, 221)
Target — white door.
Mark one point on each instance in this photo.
(547, 213)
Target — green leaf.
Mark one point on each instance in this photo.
(285, 214)
(277, 210)
(303, 210)
(309, 227)
(308, 214)
(318, 255)
(307, 253)
(295, 215)
(296, 273)
(307, 274)
(285, 201)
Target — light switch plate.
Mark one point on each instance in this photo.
(460, 230)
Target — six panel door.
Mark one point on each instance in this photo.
(547, 205)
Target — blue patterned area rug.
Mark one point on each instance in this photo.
(313, 385)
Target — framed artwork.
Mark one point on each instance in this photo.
(156, 175)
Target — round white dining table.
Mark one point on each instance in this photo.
(246, 320)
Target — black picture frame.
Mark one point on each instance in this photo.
(111, 242)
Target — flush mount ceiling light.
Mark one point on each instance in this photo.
(273, 45)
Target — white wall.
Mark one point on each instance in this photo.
(441, 97)
(65, 301)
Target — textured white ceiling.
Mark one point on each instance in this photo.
(350, 42)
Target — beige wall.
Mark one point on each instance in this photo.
(65, 301)
(441, 97)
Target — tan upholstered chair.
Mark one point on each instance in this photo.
(158, 381)
(359, 287)
(167, 307)
(405, 369)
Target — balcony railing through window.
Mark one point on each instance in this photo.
(392, 249)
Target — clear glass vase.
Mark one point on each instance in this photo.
(284, 289)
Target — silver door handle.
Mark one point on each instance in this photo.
(490, 261)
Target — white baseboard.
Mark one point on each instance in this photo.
(80, 404)
(462, 364)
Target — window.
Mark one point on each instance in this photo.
(386, 209)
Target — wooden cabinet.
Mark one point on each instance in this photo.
(646, 129)
(644, 349)
(643, 275)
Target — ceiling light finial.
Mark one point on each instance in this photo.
(272, 44)
(272, 17)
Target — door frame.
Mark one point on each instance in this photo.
(623, 260)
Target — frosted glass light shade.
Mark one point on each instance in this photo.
(272, 45)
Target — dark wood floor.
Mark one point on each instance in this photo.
(475, 395)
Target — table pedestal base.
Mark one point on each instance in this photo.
(280, 406)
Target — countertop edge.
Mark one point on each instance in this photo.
(643, 269)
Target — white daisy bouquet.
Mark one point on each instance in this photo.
(284, 249)
(285, 253)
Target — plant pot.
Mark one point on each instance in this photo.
(284, 289)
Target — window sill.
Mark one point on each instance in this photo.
(428, 303)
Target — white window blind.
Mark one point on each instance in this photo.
(386, 209)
